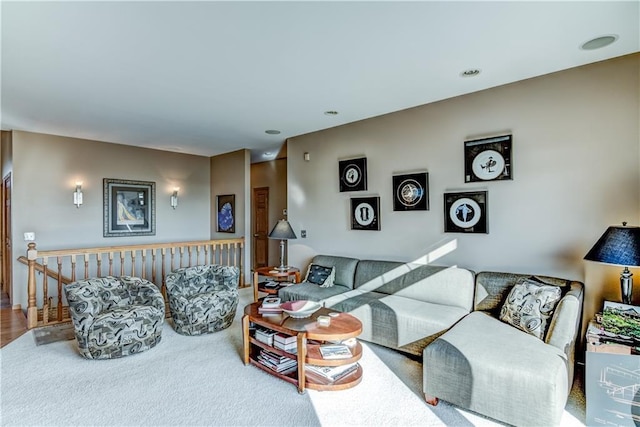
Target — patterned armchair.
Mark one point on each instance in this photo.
(115, 316)
(202, 299)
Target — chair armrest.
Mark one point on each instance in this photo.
(84, 303)
(143, 292)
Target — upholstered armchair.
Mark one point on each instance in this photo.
(202, 299)
(115, 316)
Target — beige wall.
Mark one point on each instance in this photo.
(230, 174)
(46, 168)
(576, 154)
(272, 174)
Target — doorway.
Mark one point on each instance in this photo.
(6, 237)
(261, 227)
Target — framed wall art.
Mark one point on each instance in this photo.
(353, 174)
(365, 213)
(411, 192)
(466, 212)
(488, 159)
(226, 213)
(129, 208)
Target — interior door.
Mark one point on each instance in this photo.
(261, 227)
(6, 234)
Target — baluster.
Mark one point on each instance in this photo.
(153, 265)
(73, 269)
(122, 253)
(99, 265)
(189, 252)
(173, 255)
(206, 254)
(110, 263)
(59, 287)
(32, 308)
(133, 263)
(86, 266)
(181, 255)
(164, 263)
(143, 253)
(45, 292)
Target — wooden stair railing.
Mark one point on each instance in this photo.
(150, 261)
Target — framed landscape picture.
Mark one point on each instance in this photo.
(488, 159)
(466, 212)
(129, 208)
(226, 213)
(411, 192)
(353, 174)
(365, 213)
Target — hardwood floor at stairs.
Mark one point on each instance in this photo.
(13, 323)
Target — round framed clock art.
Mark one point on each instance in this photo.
(466, 212)
(411, 192)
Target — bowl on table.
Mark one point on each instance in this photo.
(300, 309)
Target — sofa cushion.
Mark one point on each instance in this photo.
(309, 291)
(320, 275)
(395, 321)
(530, 305)
(345, 268)
(428, 283)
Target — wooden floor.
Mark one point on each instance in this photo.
(13, 323)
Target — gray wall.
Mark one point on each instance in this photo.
(46, 168)
(576, 161)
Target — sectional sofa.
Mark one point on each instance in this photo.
(452, 318)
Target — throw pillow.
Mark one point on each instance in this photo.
(530, 305)
(319, 275)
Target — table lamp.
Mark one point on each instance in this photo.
(619, 246)
(282, 231)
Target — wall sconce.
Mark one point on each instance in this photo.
(77, 195)
(174, 198)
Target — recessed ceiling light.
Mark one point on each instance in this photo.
(272, 131)
(267, 154)
(471, 72)
(331, 113)
(599, 42)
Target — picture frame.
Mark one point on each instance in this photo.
(353, 174)
(365, 213)
(226, 213)
(411, 192)
(466, 212)
(129, 208)
(488, 159)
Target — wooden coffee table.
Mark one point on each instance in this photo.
(309, 337)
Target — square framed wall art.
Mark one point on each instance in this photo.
(353, 174)
(411, 192)
(226, 218)
(365, 213)
(129, 208)
(488, 159)
(466, 212)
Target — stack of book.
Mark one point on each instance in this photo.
(616, 330)
(330, 374)
(287, 343)
(281, 364)
(265, 335)
(270, 306)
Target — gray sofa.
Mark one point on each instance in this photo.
(450, 316)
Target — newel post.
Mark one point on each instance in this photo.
(32, 309)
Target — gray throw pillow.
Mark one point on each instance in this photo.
(320, 275)
(530, 305)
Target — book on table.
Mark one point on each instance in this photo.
(330, 373)
(270, 305)
(335, 351)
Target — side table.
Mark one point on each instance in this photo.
(273, 272)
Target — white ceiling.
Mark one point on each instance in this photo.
(210, 77)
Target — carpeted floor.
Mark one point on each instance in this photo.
(198, 381)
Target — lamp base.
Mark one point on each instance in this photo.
(283, 268)
(626, 285)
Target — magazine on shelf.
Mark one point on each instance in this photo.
(622, 320)
(337, 351)
(331, 373)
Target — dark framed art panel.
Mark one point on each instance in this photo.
(226, 213)
(488, 159)
(129, 208)
(353, 174)
(365, 213)
(466, 212)
(411, 192)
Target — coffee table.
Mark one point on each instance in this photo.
(309, 338)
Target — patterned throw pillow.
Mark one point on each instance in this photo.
(530, 305)
(323, 276)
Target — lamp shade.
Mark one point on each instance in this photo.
(619, 246)
(282, 231)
